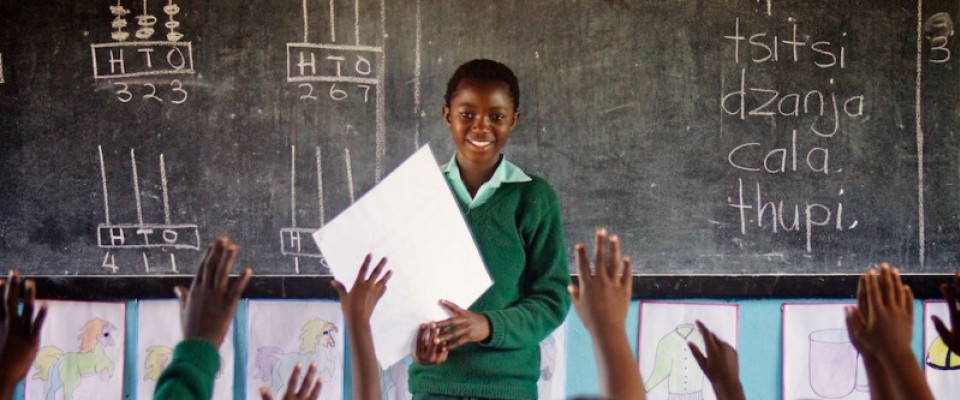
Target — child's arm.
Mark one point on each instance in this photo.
(19, 332)
(880, 384)
(952, 295)
(602, 300)
(720, 365)
(206, 310)
(306, 391)
(358, 305)
(884, 330)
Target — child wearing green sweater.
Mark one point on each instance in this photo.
(491, 350)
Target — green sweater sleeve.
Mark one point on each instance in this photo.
(191, 373)
(546, 300)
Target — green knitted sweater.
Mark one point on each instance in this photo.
(520, 236)
(191, 373)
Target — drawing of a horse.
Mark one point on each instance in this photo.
(66, 370)
(273, 366)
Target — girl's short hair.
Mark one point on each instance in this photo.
(484, 70)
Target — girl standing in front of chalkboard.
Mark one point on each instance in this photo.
(491, 350)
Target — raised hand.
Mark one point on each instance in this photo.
(359, 302)
(309, 388)
(19, 332)
(603, 296)
(952, 295)
(720, 365)
(207, 308)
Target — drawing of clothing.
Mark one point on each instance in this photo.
(940, 357)
(674, 360)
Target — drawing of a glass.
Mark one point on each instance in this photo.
(833, 363)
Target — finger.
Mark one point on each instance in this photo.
(199, 279)
(574, 292)
(454, 334)
(862, 302)
(307, 380)
(873, 296)
(378, 270)
(941, 329)
(364, 269)
(709, 339)
(698, 355)
(626, 276)
(600, 253)
(29, 299)
(241, 284)
(12, 294)
(460, 341)
(182, 295)
(615, 260)
(583, 266)
(341, 291)
(950, 295)
(226, 266)
(898, 286)
(212, 262)
(908, 301)
(265, 394)
(315, 391)
(292, 382)
(38, 322)
(3, 301)
(386, 278)
(453, 308)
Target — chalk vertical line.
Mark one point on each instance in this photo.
(356, 20)
(103, 179)
(921, 226)
(293, 186)
(333, 23)
(296, 265)
(769, 7)
(320, 187)
(146, 264)
(306, 23)
(346, 154)
(381, 139)
(136, 186)
(163, 189)
(144, 7)
(416, 80)
(173, 262)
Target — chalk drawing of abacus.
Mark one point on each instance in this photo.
(142, 236)
(351, 67)
(297, 241)
(146, 53)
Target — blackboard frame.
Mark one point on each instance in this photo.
(924, 286)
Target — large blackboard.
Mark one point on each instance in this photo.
(660, 119)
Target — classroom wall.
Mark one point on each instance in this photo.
(760, 350)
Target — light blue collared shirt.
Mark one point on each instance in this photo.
(506, 172)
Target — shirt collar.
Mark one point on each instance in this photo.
(506, 172)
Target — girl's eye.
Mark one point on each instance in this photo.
(497, 117)
(466, 115)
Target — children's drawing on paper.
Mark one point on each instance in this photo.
(394, 381)
(941, 366)
(160, 331)
(553, 366)
(286, 333)
(81, 353)
(819, 361)
(668, 368)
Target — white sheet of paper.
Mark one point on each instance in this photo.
(283, 333)
(553, 365)
(666, 363)
(159, 331)
(819, 362)
(85, 334)
(941, 367)
(412, 218)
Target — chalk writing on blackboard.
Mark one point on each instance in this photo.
(142, 236)
(340, 71)
(938, 29)
(808, 151)
(296, 241)
(1, 68)
(146, 55)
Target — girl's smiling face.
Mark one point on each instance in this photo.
(481, 116)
